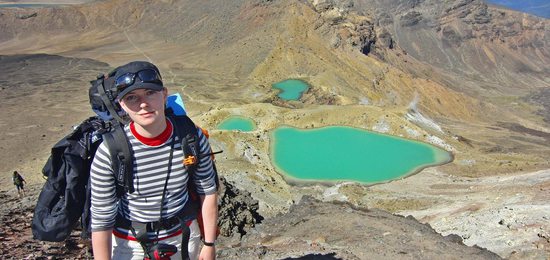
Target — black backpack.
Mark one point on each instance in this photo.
(66, 195)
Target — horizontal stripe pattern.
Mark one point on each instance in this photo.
(150, 171)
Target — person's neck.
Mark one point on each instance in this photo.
(151, 131)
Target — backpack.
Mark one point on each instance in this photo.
(63, 197)
(66, 196)
(18, 180)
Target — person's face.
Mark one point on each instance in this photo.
(144, 106)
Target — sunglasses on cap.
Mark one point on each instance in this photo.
(146, 76)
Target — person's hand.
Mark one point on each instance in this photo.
(208, 253)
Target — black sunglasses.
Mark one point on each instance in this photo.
(146, 76)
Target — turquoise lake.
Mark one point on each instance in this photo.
(349, 154)
(291, 89)
(237, 123)
(29, 5)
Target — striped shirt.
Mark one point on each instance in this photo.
(150, 165)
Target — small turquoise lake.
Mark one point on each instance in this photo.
(291, 89)
(349, 154)
(29, 5)
(237, 123)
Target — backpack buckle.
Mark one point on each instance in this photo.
(189, 160)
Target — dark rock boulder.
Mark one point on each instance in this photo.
(238, 211)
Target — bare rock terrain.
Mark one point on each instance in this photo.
(310, 230)
(315, 230)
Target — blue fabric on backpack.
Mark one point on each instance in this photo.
(175, 102)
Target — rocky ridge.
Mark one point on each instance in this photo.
(347, 233)
(238, 214)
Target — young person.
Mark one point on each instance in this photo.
(159, 178)
(18, 181)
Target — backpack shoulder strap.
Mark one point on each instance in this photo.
(184, 125)
(188, 133)
(121, 158)
(186, 130)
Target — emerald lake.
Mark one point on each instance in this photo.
(237, 123)
(291, 89)
(349, 154)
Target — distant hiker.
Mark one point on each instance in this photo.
(150, 221)
(18, 181)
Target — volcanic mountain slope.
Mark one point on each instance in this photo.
(457, 74)
(397, 55)
(497, 57)
(488, 52)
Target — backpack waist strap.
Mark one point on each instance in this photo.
(187, 215)
(163, 224)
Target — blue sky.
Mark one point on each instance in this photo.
(537, 7)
